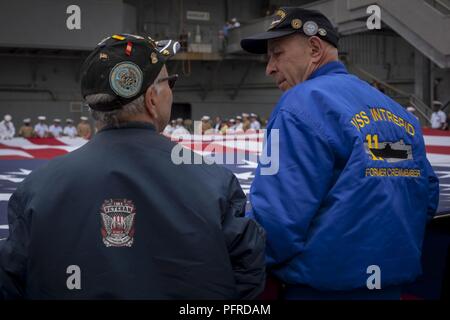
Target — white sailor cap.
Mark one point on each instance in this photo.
(42, 118)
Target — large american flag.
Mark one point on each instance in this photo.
(19, 157)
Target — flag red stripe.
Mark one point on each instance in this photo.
(46, 141)
(438, 149)
(434, 132)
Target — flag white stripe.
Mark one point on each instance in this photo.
(5, 196)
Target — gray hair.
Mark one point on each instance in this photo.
(119, 116)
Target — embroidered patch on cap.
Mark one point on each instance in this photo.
(310, 28)
(323, 32)
(103, 56)
(296, 23)
(154, 57)
(126, 79)
(128, 48)
(117, 37)
(279, 16)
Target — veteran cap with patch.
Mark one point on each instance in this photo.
(124, 66)
(290, 20)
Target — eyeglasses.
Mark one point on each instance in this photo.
(170, 79)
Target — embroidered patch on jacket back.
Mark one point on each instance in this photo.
(118, 217)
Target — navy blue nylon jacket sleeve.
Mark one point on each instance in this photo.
(304, 177)
(14, 252)
(433, 191)
(245, 240)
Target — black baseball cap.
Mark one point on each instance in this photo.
(124, 66)
(290, 20)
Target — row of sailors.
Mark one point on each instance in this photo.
(176, 127)
(239, 124)
(42, 130)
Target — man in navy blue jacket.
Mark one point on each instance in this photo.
(117, 218)
(345, 214)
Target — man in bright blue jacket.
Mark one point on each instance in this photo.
(345, 214)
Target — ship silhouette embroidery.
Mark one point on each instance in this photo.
(390, 151)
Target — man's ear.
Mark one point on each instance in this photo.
(150, 102)
(317, 48)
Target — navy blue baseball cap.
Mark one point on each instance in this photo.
(124, 66)
(290, 20)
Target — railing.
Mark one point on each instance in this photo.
(442, 6)
(423, 110)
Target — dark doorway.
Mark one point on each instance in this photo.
(181, 110)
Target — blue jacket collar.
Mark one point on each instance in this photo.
(334, 67)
